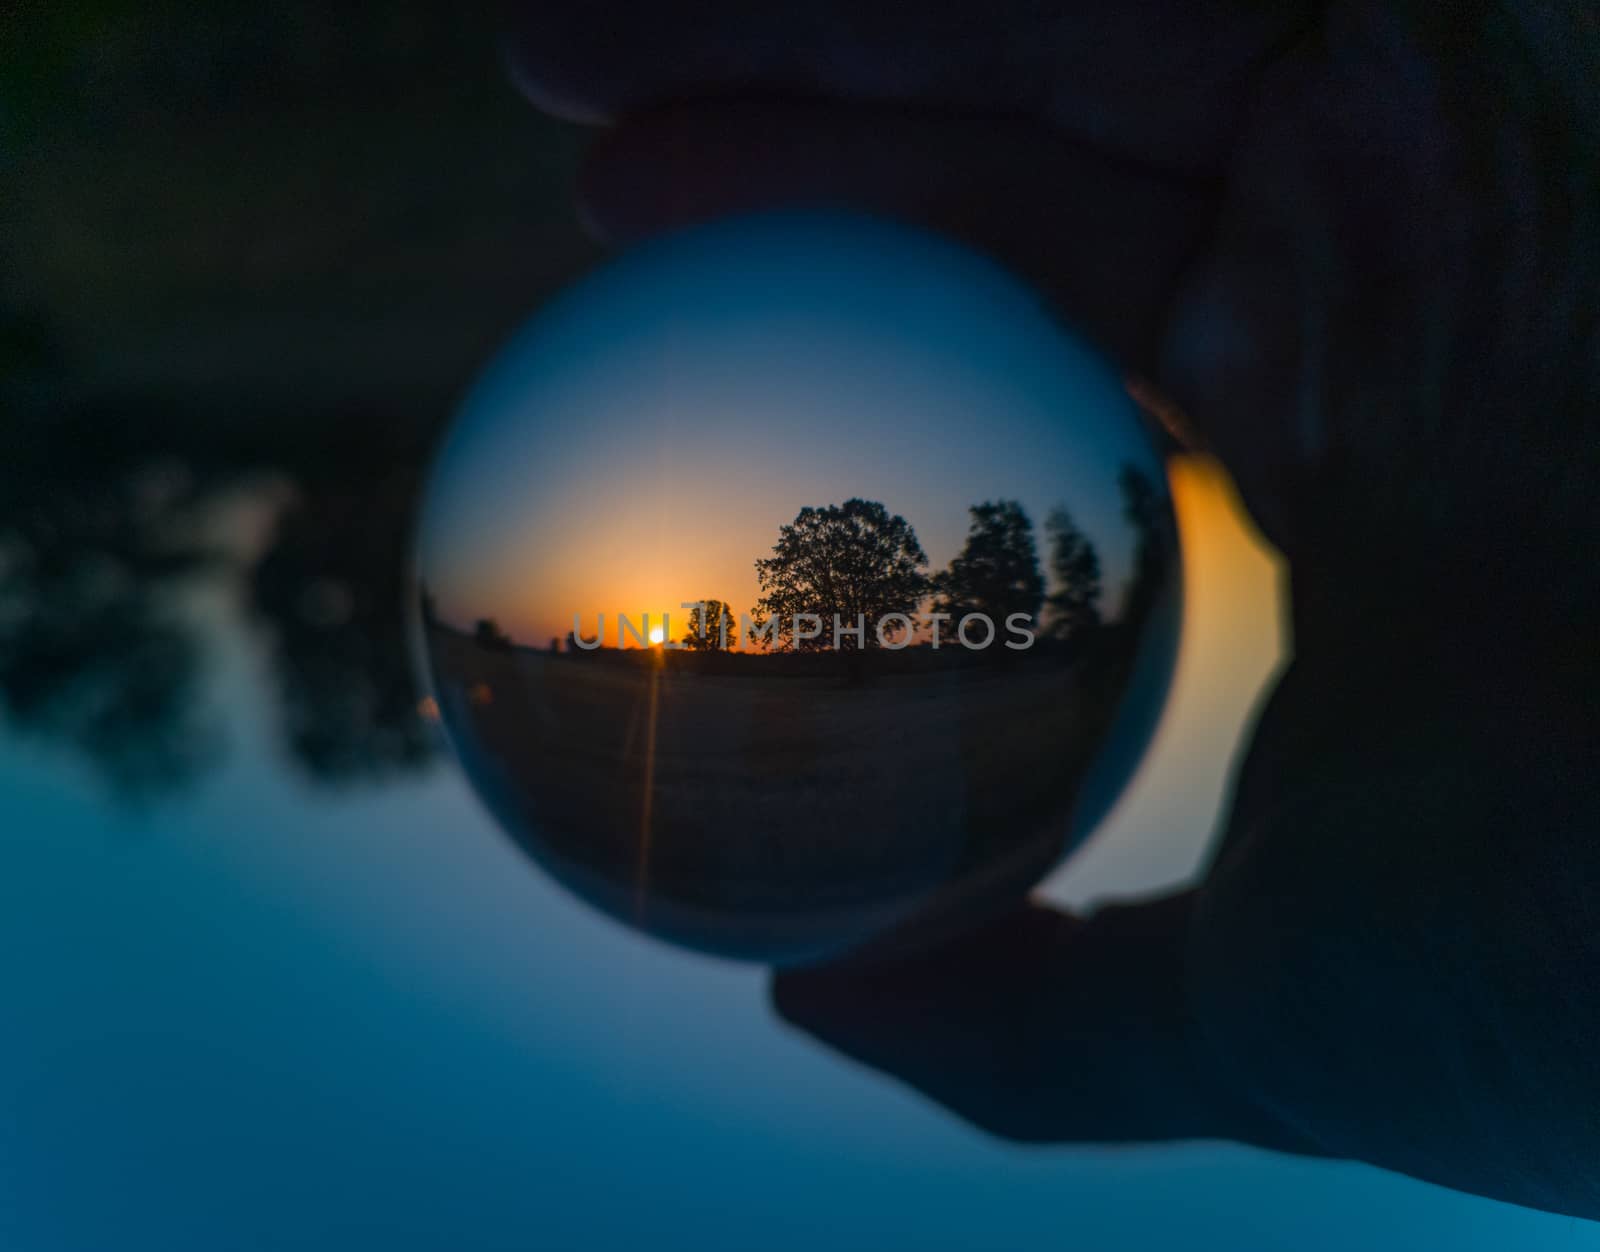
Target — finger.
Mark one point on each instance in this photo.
(1041, 1028)
(1158, 81)
(1107, 241)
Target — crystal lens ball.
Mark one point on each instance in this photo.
(796, 581)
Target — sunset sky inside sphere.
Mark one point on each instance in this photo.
(641, 440)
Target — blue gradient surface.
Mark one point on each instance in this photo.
(264, 1019)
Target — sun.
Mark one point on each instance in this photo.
(657, 634)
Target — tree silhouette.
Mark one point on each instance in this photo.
(326, 596)
(488, 635)
(712, 630)
(93, 651)
(997, 572)
(1144, 507)
(101, 650)
(101, 541)
(1075, 567)
(854, 560)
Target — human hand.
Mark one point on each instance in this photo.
(1358, 249)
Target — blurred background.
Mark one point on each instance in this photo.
(253, 258)
(271, 977)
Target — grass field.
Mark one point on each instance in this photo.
(769, 787)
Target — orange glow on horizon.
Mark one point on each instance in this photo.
(644, 573)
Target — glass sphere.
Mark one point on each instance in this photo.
(797, 580)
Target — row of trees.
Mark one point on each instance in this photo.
(857, 560)
(997, 571)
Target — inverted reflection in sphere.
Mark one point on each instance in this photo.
(795, 579)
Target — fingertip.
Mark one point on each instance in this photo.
(818, 999)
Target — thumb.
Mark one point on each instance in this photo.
(1040, 1027)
